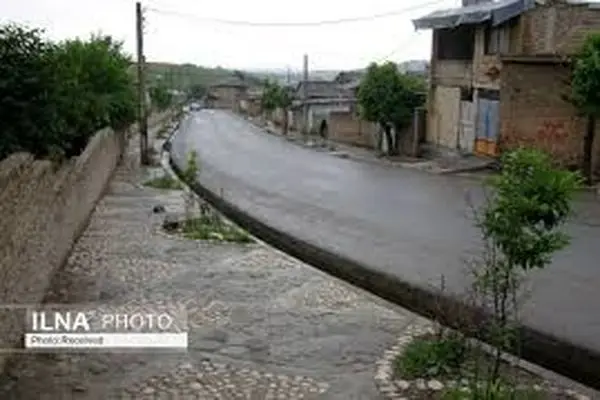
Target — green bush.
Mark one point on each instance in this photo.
(164, 182)
(496, 391)
(431, 357)
(55, 96)
(160, 97)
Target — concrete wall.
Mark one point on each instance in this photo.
(444, 117)
(44, 208)
(320, 112)
(346, 127)
(534, 112)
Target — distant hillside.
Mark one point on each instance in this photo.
(182, 76)
(295, 76)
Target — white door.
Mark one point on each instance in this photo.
(466, 138)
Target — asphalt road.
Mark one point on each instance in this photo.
(414, 224)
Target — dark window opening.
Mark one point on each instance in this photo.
(489, 94)
(455, 43)
(466, 94)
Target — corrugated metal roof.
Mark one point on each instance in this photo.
(495, 12)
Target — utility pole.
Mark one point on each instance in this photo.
(305, 97)
(141, 72)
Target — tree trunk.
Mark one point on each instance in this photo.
(285, 122)
(389, 139)
(396, 146)
(588, 145)
(380, 140)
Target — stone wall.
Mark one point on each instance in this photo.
(345, 127)
(44, 208)
(534, 112)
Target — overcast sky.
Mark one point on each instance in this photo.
(187, 35)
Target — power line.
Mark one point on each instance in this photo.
(294, 24)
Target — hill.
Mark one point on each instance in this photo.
(182, 76)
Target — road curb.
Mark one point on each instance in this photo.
(558, 355)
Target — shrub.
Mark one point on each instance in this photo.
(432, 357)
(54, 96)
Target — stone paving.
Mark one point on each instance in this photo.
(262, 325)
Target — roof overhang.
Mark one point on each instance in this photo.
(494, 12)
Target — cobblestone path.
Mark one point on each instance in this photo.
(262, 325)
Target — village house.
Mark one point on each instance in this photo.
(228, 94)
(499, 74)
(251, 104)
(322, 98)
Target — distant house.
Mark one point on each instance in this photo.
(499, 72)
(322, 98)
(228, 94)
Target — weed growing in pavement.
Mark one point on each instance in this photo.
(202, 222)
(164, 182)
(432, 357)
(206, 228)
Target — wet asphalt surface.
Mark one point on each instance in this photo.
(411, 223)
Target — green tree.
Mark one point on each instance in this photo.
(270, 97)
(27, 108)
(276, 96)
(161, 97)
(95, 88)
(389, 98)
(522, 228)
(586, 94)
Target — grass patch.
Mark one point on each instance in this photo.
(499, 391)
(164, 182)
(209, 228)
(449, 357)
(430, 356)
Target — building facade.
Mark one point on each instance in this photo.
(499, 74)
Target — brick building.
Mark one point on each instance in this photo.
(499, 75)
(228, 94)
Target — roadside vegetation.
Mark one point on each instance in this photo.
(55, 95)
(521, 225)
(202, 222)
(276, 97)
(585, 95)
(389, 98)
(164, 182)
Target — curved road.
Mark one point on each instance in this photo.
(407, 222)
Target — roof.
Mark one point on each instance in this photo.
(496, 12)
(345, 77)
(324, 101)
(320, 89)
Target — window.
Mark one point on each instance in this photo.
(455, 43)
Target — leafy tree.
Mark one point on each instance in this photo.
(161, 97)
(270, 97)
(27, 109)
(389, 98)
(95, 88)
(276, 96)
(522, 228)
(586, 94)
